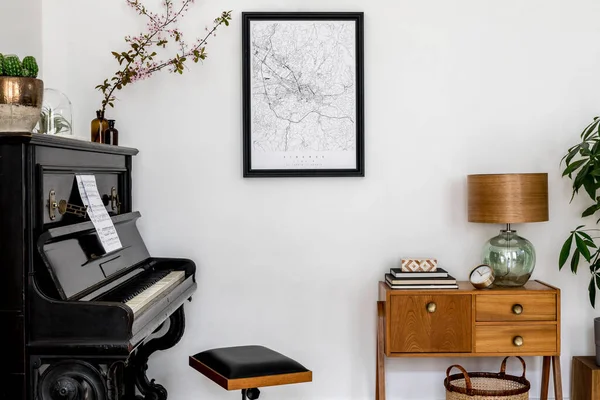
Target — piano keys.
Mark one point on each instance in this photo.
(151, 289)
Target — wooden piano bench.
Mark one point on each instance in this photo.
(248, 368)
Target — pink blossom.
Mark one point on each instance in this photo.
(139, 62)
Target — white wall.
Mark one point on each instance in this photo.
(21, 28)
(452, 88)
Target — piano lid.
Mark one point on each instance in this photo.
(77, 261)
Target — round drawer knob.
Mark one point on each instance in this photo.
(517, 309)
(518, 341)
(431, 307)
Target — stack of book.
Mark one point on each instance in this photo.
(438, 279)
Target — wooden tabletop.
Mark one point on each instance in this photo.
(466, 287)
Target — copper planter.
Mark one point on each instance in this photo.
(20, 103)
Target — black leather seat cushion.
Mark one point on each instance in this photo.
(248, 362)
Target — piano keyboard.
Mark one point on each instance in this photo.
(147, 295)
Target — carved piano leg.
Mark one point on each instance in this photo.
(138, 362)
(115, 385)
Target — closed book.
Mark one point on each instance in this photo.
(449, 280)
(438, 273)
(421, 287)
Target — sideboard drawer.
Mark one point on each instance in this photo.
(526, 307)
(431, 323)
(505, 338)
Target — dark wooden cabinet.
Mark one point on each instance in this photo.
(31, 166)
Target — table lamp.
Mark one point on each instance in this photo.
(508, 199)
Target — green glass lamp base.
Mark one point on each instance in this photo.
(512, 258)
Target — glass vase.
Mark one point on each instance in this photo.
(56, 117)
(512, 258)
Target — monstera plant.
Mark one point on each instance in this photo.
(582, 166)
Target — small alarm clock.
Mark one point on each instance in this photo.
(482, 276)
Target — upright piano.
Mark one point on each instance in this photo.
(76, 322)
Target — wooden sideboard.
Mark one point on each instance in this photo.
(467, 322)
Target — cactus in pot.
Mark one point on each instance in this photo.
(12, 66)
(30, 65)
(21, 94)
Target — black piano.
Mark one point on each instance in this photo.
(76, 322)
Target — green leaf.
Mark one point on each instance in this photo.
(589, 211)
(578, 181)
(590, 129)
(585, 149)
(575, 261)
(581, 175)
(573, 167)
(564, 252)
(586, 129)
(583, 249)
(572, 153)
(592, 292)
(589, 183)
(596, 147)
(585, 235)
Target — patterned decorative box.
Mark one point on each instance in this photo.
(419, 264)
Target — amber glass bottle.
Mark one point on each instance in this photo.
(111, 135)
(99, 125)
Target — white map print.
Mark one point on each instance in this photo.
(303, 94)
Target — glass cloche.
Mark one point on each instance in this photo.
(56, 115)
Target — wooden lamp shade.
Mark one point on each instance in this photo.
(508, 198)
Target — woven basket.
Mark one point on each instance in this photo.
(486, 385)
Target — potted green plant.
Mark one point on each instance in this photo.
(582, 166)
(21, 94)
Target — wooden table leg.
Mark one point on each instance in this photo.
(380, 375)
(545, 378)
(557, 377)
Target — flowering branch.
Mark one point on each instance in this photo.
(139, 62)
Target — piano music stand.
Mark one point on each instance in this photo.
(248, 368)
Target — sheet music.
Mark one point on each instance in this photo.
(88, 190)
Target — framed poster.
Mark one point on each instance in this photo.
(303, 100)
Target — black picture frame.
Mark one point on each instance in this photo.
(359, 170)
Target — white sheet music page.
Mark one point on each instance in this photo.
(88, 190)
